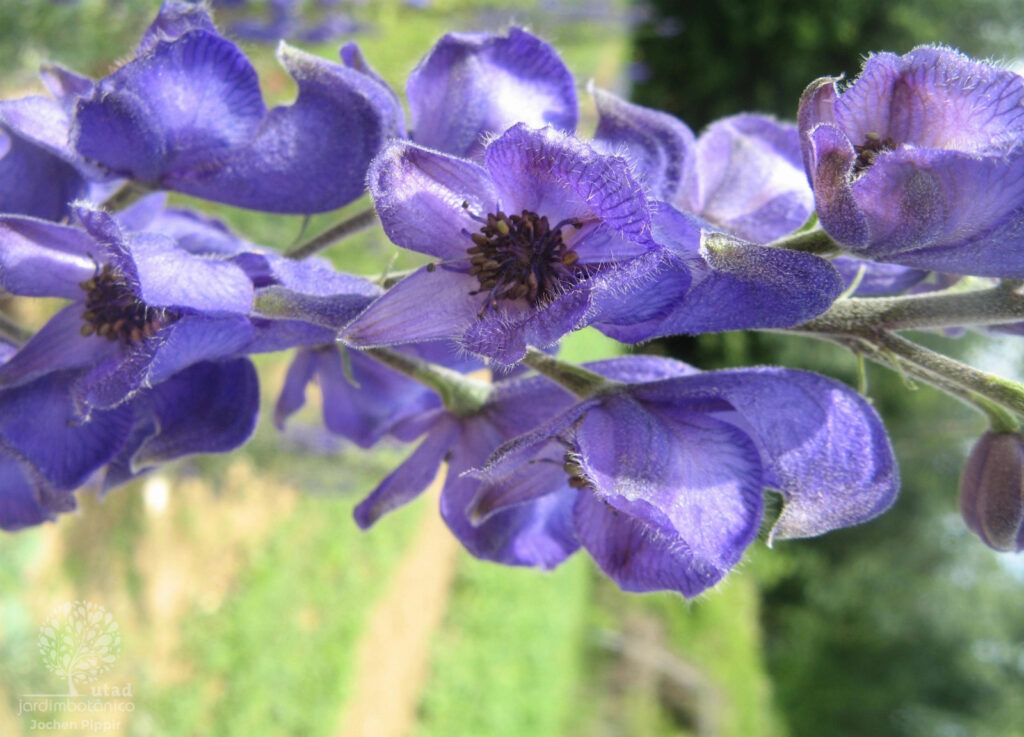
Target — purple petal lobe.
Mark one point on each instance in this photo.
(678, 468)
(474, 85)
(293, 393)
(660, 145)
(43, 259)
(548, 172)
(410, 479)
(822, 445)
(179, 109)
(410, 311)
(196, 338)
(748, 179)
(419, 195)
(58, 345)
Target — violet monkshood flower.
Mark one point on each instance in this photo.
(372, 399)
(187, 114)
(47, 450)
(670, 472)
(473, 86)
(142, 308)
(920, 162)
(524, 242)
(537, 533)
(724, 194)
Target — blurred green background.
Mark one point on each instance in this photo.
(250, 604)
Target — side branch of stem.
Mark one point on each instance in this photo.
(363, 220)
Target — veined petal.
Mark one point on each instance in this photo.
(557, 175)
(419, 195)
(21, 489)
(352, 57)
(701, 476)
(822, 445)
(946, 210)
(473, 85)
(35, 182)
(748, 179)
(411, 311)
(660, 145)
(935, 98)
(175, 19)
(411, 478)
(171, 277)
(177, 110)
(43, 259)
(877, 279)
(639, 555)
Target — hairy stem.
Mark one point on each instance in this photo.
(809, 241)
(578, 380)
(461, 395)
(363, 220)
(1000, 418)
(993, 306)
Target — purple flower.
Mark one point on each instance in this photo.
(473, 86)
(187, 114)
(992, 491)
(741, 178)
(47, 450)
(142, 309)
(40, 174)
(536, 533)
(373, 398)
(919, 162)
(524, 242)
(669, 473)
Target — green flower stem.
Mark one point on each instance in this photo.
(461, 395)
(995, 396)
(127, 194)
(815, 241)
(1000, 419)
(578, 380)
(941, 310)
(13, 331)
(363, 220)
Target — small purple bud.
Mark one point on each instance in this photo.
(992, 491)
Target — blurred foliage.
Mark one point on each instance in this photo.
(706, 61)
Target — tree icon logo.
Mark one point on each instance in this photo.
(79, 641)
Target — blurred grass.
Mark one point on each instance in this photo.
(241, 601)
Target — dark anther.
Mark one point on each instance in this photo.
(521, 257)
(114, 312)
(867, 152)
(576, 478)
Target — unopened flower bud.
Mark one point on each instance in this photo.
(992, 491)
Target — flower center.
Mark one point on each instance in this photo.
(867, 152)
(521, 257)
(113, 311)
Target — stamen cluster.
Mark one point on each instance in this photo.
(521, 256)
(868, 151)
(113, 310)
